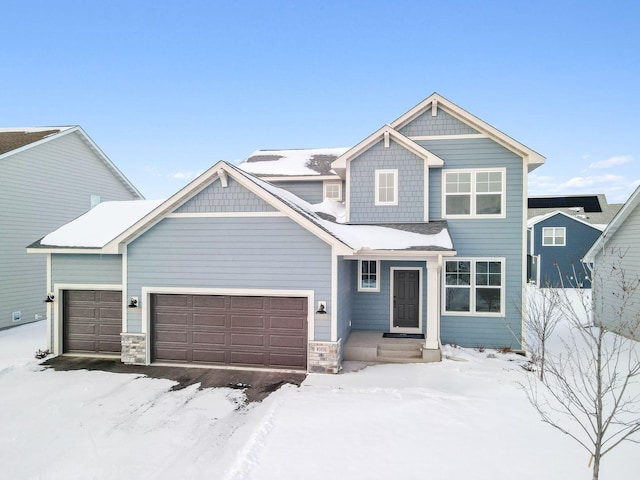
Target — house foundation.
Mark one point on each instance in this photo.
(134, 348)
(324, 357)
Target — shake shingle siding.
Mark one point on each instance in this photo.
(241, 253)
(410, 195)
(232, 198)
(441, 124)
(42, 188)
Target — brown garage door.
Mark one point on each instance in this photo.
(230, 330)
(92, 321)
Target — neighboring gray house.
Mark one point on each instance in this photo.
(561, 230)
(421, 235)
(50, 175)
(615, 257)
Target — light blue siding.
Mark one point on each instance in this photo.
(622, 252)
(233, 198)
(249, 253)
(346, 287)
(371, 310)
(502, 238)
(86, 269)
(441, 124)
(567, 259)
(308, 190)
(42, 188)
(410, 193)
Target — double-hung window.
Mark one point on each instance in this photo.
(554, 236)
(474, 286)
(369, 276)
(474, 193)
(386, 185)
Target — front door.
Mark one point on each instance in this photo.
(406, 300)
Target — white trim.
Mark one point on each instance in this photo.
(125, 285)
(83, 251)
(392, 327)
(295, 178)
(473, 193)
(58, 288)
(425, 193)
(327, 183)
(49, 306)
(225, 214)
(399, 254)
(524, 276)
(554, 236)
(359, 276)
(472, 287)
(347, 193)
(541, 218)
(432, 337)
(147, 291)
(333, 308)
(385, 171)
(465, 136)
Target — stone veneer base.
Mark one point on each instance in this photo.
(324, 357)
(134, 348)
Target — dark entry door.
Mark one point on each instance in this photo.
(406, 298)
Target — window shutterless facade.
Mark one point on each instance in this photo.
(554, 236)
(474, 286)
(333, 191)
(474, 193)
(369, 276)
(386, 187)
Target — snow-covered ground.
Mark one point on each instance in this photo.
(463, 418)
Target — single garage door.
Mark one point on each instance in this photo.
(92, 321)
(230, 330)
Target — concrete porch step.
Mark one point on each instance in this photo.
(372, 347)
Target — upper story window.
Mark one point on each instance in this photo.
(386, 187)
(474, 286)
(369, 276)
(474, 193)
(554, 236)
(333, 191)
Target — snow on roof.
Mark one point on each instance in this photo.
(100, 225)
(358, 237)
(311, 161)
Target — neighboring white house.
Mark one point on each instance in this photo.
(616, 269)
(49, 176)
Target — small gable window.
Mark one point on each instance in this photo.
(386, 187)
(333, 191)
(474, 193)
(369, 280)
(554, 236)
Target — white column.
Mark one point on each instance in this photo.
(434, 268)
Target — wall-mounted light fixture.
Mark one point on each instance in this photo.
(133, 303)
(322, 307)
(50, 298)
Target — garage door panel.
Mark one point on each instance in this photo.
(289, 323)
(92, 321)
(206, 338)
(209, 301)
(230, 330)
(171, 318)
(218, 320)
(287, 341)
(247, 321)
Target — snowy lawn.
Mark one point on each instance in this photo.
(465, 418)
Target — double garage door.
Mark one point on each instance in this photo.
(230, 330)
(205, 329)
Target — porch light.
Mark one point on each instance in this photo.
(50, 298)
(133, 303)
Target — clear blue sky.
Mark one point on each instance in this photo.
(167, 88)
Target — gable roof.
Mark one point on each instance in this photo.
(312, 162)
(630, 205)
(346, 239)
(18, 139)
(386, 132)
(437, 101)
(540, 218)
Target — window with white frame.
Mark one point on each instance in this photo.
(474, 286)
(554, 236)
(386, 187)
(369, 276)
(333, 191)
(474, 193)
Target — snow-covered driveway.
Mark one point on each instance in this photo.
(463, 418)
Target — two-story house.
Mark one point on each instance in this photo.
(417, 234)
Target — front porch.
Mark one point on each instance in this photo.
(368, 346)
